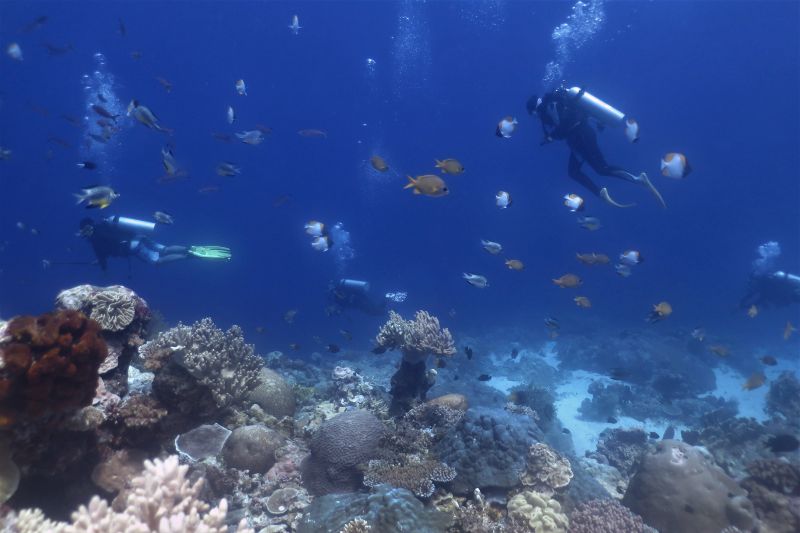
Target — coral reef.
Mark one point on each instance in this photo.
(414, 474)
(540, 400)
(734, 443)
(542, 514)
(116, 471)
(453, 401)
(282, 500)
(546, 470)
(487, 448)
(338, 447)
(273, 394)
(351, 390)
(604, 516)
(774, 489)
(9, 473)
(252, 448)
(678, 489)
(202, 442)
(783, 398)
(621, 448)
(48, 364)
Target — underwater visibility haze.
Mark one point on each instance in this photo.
(400, 266)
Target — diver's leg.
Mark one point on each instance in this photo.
(169, 254)
(575, 172)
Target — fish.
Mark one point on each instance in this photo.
(37, 23)
(493, 248)
(450, 166)
(121, 29)
(476, 280)
(260, 330)
(315, 228)
(163, 218)
(230, 115)
(451, 313)
(165, 83)
(75, 121)
(312, 132)
(378, 350)
(226, 168)
(333, 348)
(14, 52)
(752, 311)
(623, 270)
(768, 360)
(294, 346)
(675, 165)
(266, 130)
(593, 259)
(551, 323)
(468, 351)
(506, 127)
(5, 153)
(378, 163)
(251, 137)
(698, 334)
(660, 311)
(590, 223)
(573, 202)
(55, 50)
(96, 196)
(441, 362)
(514, 353)
(583, 302)
(88, 165)
(653, 435)
(289, 315)
(484, 377)
(788, 330)
(346, 334)
(241, 88)
(611, 420)
(566, 431)
(103, 112)
(719, 350)
(502, 199)
(224, 137)
(632, 130)
(281, 200)
(630, 257)
(295, 25)
(515, 264)
(145, 116)
(428, 185)
(59, 141)
(618, 374)
(568, 281)
(168, 160)
(669, 433)
(136, 55)
(756, 380)
(208, 189)
(322, 243)
(783, 443)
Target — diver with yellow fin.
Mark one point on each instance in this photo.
(118, 236)
(565, 114)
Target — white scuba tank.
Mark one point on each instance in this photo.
(596, 107)
(132, 224)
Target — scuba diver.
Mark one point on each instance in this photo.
(118, 236)
(354, 294)
(565, 114)
(768, 287)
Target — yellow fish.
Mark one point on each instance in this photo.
(378, 163)
(660, 311)
(568, 281)
(450, 166)
(428, 185)
(514, 264)
(754, 381)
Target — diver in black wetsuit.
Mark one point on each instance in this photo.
(563, 119)
(767, 286)
(354, 294)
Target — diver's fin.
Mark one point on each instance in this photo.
(604, 195)
(411, 183)
(644, 179)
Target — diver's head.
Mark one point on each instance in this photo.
(533, 104)
(86, 222)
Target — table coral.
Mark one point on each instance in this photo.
(414, 474)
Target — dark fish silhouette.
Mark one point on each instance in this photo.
(333, 348)
(653, 435)
(769, 360)
(468, 351)
(37, 23)
(484, 377)
(618, 374)
(669, 433)
(440, 362)
(783, 443)
(565, 431)
(611, 420)
(514, 353)
(88, 165)
(379, 350)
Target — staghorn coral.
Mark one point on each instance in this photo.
(541, 513)
(47, 364)
(604, 516)
(546, 469)
(414, 474)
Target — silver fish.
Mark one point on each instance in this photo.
(476, 280)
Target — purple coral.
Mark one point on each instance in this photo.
(604, 516)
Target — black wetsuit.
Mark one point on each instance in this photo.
(112, 240)
(344, 298)
(769, 290)
(562, 119)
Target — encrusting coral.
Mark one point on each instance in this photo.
(413, 473)
(604, 516)
(546, 469)
(541, 513)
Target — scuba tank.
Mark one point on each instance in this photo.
(354, 285)
(596, 107)
(131, 224)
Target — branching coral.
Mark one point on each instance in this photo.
(414, 474)
(421, 336)
(604, 516)
(48, 363)
(546, 470)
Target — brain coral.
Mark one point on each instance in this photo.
(273, 394)
(48, 363)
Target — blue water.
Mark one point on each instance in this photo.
(716, 81)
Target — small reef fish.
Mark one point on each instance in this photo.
(514, 353)
(96, 196)
(573, 202)
(241, 88)
(583, 302)
(224, 137)
(768, 360)
(698, 334)
(55, 50)
(333, 348)
(88, 165)
(59, 141)
(476, 280)
(226, 168)
(289, 315)
(623, 270)
(593, 259)
(295, 25)
(674, 165)
(611, 420)
(660, 311)
(590, 223)
(322, 243)
(315, 228)
(719, 350)
(450, 166)
(468, 351)
(378, 350)
(568, 281)
(168, 161)
(37, 23)
(260, 330)
(754, 381)
(5, 153)
(165, 83)
(619, 374)
(311, 132)
(230, 115)
(378, 163)
(136, 55)
(145, 116)
(630, 257)
(492, 247)
(294, 346)
(502, 199)
(632, 130)
(75, 121)
(788, 330)
(783, 443)
(14, 51)
(653, 435)
(752, 312)
(551, 323)
(121, 28)
(163, 217)
(515, 264)
(484, 377)
(346, 334)
(428, 185)
(251, 137)
(506, 127)
(103, 112)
